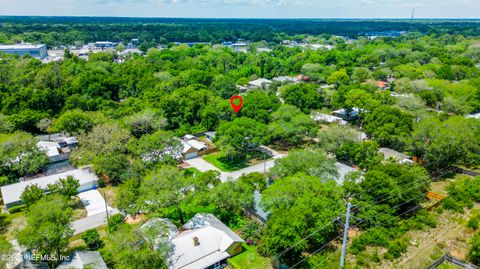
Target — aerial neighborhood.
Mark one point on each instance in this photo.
(240, 144)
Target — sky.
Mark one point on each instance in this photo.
(246, 8)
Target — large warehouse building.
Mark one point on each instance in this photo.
(35, 51)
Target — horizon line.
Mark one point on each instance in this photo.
(244, 18)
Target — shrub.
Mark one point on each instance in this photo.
(375, 237)
(474, 253)
(92, 239)
(396, 248)
(114, 222)
(17, 208)
(473, 222)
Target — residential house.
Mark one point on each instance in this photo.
(241, 88)
(204, 242)
(84, 259)
(285, 79)
(347, 115)
(328, 118)
(192, 147)
(390, 154)
(342, 171)
(261, 83)
(11, 193)
(210, 135)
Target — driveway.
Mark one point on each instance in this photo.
(92, 222)
(96, 215)
(93, 202)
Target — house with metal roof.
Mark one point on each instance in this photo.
(11, 193)
(84, 259)
(261, 83)
(390, 154)
(203, 242)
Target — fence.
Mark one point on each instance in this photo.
(450, 259)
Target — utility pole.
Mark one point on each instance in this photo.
(345, 236)
(106, 206)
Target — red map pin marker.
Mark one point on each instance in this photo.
(238, 106)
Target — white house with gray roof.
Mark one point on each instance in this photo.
(204, 242)
(11, 193)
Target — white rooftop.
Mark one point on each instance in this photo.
(328, 118)
(213, 237)
(259, 82)
(11, 193)
(50, 148)
(84, 259)
(21, 46)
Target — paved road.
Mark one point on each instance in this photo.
(204, 166)
(92, 222)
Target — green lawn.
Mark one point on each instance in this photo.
(249, 258)
(224, 163)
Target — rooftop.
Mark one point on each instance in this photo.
(21, 46)
(11, 193)
(84, 259)
(390, 153)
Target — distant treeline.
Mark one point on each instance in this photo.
(56, 31)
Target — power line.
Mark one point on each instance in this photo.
(308, 236)
(358, 224)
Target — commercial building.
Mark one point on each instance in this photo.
(35, 51)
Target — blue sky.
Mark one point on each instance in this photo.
(246, 8)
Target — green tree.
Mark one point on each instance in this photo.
(224, 87)
(361, 74)
(31, 194)
(364, 154)
(92, 239)
(128, 247)
(309, 162)
(402, 187)
(232, 197)
(74, 122)
(159, 147)
(243, 134)
(303, 95)
(258, 105)
(289, 125)
(333, 137)
(312, 202)
(441, 143)
(19, 155)
(67, 187)
(144, 122)
(48, 230)
(165, 188)
(338, 78)
(388, 126)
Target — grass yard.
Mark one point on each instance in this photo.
(224, 163)
(249, 258)
(227, 164)
(79, 211)
(17, 222)
(111, 193)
